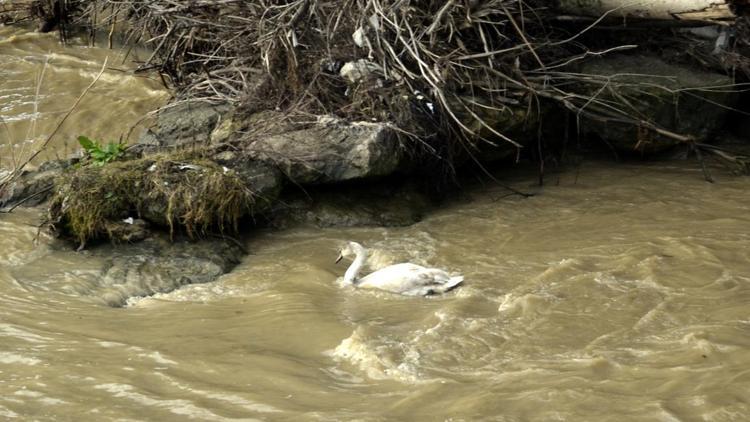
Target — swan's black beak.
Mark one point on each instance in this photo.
(339, 258)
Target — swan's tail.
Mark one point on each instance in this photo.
(452, 283)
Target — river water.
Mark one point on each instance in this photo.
(40, 82)
(619, 292)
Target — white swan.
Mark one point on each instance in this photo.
(406, 279)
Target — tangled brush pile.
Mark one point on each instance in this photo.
(434, 68)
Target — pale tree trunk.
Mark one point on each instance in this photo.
(677, 10)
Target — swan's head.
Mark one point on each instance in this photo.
(350, 249)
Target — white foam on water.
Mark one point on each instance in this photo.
(110, 344)
(12, 358)
(159, 358)
(378, 359)
(179, 407)
(525, 305)
(28, 393)
(224, 397)
(7, 413)
(14, 331)
(196, 293)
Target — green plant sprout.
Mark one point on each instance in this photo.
(101, 154)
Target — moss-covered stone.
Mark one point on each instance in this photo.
(172, 190)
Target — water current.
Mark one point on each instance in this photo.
(619, 292)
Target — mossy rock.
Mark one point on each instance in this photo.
(179, 192)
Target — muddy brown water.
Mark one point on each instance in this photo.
(40, 81)
(620, 292)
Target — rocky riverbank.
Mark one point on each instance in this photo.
(363, 135)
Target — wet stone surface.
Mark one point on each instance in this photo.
(158, 266)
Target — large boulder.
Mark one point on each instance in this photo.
(328, 150)
(263, 179)
(236, 125)
(184, 124)
(675, 97)
(331, 150)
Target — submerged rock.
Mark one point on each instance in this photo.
(159, 266)
(671, 96)
(352, 206)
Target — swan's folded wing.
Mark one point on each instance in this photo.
(396, 278)
(435, 276)
(407, 278)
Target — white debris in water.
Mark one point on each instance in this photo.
(374, 21)
(128, 220)
(361, 69)
(359, 37)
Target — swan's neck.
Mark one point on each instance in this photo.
(351, 274)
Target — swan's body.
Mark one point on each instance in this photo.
(406, 279)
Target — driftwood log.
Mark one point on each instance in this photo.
(688, 11)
